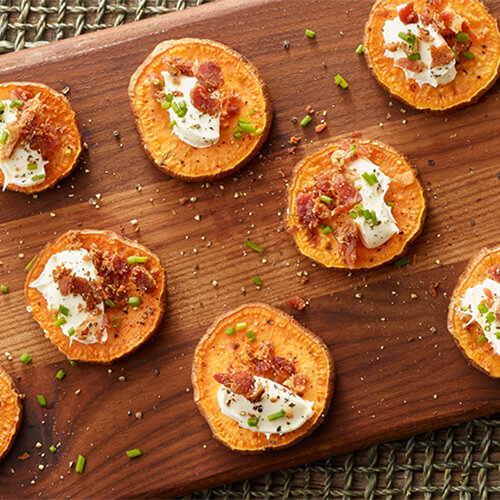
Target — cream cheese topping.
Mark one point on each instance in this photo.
(276, 397)
(440, 75)
(195, 128)
(372, 199)
(78, 317)
(475, 310)
(25, 167)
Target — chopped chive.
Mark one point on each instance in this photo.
(243, 120)
(41, 400)
(32, 166)
(80, 464)
(414, 57)
(4, 289)
(134, 301)
(258, 131)
(310, 33)
(390, 204)
(63, 310)
(369, 178)
(402, 262)
(353, 149)
(257, 281)
(59, 322)
(16, 103)
(60, 374)
(487, 328)
(72, 363)
(481, 339)
(134, 453)
(110, 303)
(326, 199)
(247, 127)
(275, 416)
(456, 55)
(170, 98)
(251, 111)
(2, 106)
(482, 308)
(176, 108)
(461, 37)
(367, 214)
(68, 151)
(306, 120)
(468, 55)
(116, 322)
(327, 230)
(161, 85)
(52, 448)
(30, 263)
(240, 326)
(251, 336)
(137, 259)
(359, 49)
(172, 124)
(252, 422)
(25, 358)
(373, 216)
(230, 330)
(410, 39)
(4, 137)
(490, 317)
(38, 177)
(339, 80)
(254, 246)
(71, 331)
(353, 214)
(166, 105)
(237, 135)
(497, 335)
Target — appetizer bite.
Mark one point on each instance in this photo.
(355, 204)
(11, 410)
(433, 54)
(96, 295)
(202, 109)
(39, 138)
(261, 380)
(474, 312)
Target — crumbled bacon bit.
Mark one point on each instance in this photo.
(494, 272)
(319, 128)
(296, 383)
(294, 140)
(203, 101)
(441, 56)
(241, 382)
(231, 105)
(309, 110)
(183, 200)
(346, 234)
(177, 65)
(69, 283)
(392, 46)
(433, 288)
(407, 14)
(142, 279)
(411, 64)
(346, 192)
(209, 75)
(453, 21)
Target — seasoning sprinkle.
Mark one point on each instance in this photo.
(60, 374)
(254, 246)
(134, 453)
(80, 464)
(25, 358)
(41, 400)
(275, 416)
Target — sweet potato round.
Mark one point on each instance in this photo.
(135, 326)
(11, 410)
(61, 116)
(173, 156)
(474, 77)
(216, 351)
(405, 191)
(481, 355)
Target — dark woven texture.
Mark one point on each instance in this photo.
(460, 462)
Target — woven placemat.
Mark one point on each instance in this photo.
(462, 461)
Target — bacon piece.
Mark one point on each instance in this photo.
(23, 94)
(305, 210)
(297, 303)
(209, 75)
(231, 105)
(453, 21)
(203, 101)
(177, 65)
(411, 64)
(142, 279)
(346, 192)
(44, 137)
(283, 369)
(346, 234)
(407, 14)
(392, 46)
(441, 56)
(68, 283)
(494, 272)
(243, 383)
(296, 383)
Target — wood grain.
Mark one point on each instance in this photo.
(399, 371)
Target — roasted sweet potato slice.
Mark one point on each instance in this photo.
(323, 205)
(471, 36)
(257, 339)
(478, 342)
(11, 410)
(126, 295)
(242, 95)
(44, 134)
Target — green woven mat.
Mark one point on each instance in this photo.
(461, 462)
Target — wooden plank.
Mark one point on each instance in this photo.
(399, 371)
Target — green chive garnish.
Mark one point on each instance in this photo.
(72, 363)
(16, 103)
(353, 149)
(497, 335)
(80, 464)
(63, 310)
(482, 308)
(367, 214)
(327, 230)
(490, 317)
(237, 135)
(371, 179)
(4, 137)
(230, 330)
(257, 281)
(134, 301)
(306, 120)
(254, 246)
(373, 216)
(176, 108)
(4, 289)
(38, 177)
(359, 49)
(339, 80)
(390, 204)
(41, 400)
(487, 328)
(68, 151)
(456, 55)
(2, 106)
(468, 55)
(402, 262)
(71, 331)
(30, 263)
(109, 303)
(252, 422)
(310, 33)
(116, 322)
(59, 322)
(481, 339)
(60, 374)
(414, 57)
(137, 259)
(166, 105)
(247, 127)
(326, 199)
(251, 336)
(461, 37)
(52, 448)
(353, 214)
(32, 166)
(410, 39)
(134, 453)
(170, 98)
(25, 358)
(275, 416)
(172, 124)
(161, 85)
(251, 111)
(240, 326)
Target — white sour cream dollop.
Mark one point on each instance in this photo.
(195, 128)
(276, 398)
(440, 75)
(81, 265)
(25, 167)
